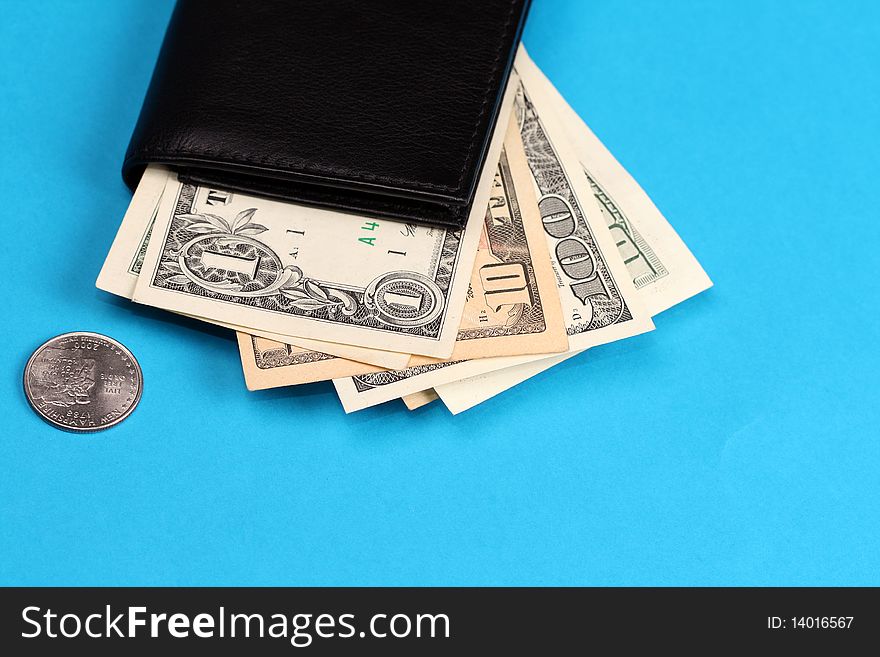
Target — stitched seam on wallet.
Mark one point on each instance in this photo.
(238, 157)
(326, 193)
(470, 155)
(167, 157)
(382, 207)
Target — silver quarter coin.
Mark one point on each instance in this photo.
(83, 382)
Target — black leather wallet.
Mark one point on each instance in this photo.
(381, 107)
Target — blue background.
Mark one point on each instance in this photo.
(736, 444)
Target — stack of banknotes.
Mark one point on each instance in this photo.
(563, 251)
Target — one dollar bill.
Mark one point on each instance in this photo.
(124, 261)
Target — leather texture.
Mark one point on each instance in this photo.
(382, 107)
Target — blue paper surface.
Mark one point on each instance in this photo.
(736, 444)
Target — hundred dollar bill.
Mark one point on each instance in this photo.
(270, 364)
(597, 294)
(419, 399)
(312, 272)
(663, 269)
(123, 265)
(598, 297)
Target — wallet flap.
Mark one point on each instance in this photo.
(385, 107)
